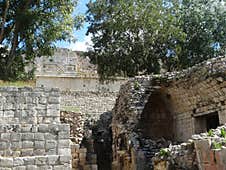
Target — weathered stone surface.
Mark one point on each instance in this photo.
(29, 134)
(172, 106)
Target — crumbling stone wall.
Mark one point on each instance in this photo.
(202, 151)
(199, 91)
(31, 135)
(92, 104)
(193, 100)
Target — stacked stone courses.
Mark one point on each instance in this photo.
(31, 135)
(170, 105)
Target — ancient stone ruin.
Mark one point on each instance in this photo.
(158, 111)
(71, 71)
(163, 122)
(31, 135)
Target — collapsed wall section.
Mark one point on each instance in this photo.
(31, 135)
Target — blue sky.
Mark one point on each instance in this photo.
(82, 39)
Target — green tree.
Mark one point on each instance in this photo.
(29, 29)
(143, 36)
(204, 22)
(131, 36)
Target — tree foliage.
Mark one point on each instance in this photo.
(29, 28)
(143, 36)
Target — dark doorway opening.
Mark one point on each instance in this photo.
(212, 121)
(157, 118)
(206, 122)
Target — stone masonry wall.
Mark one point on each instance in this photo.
(185, 98)
(93, 104)
(198, 92)
(31, 135)
(27, 105)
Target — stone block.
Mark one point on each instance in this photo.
(45, 167)
(64, 151)
(15, 137)
(39, 152)
(5, 136)
(32, 167)
(20, 168)
(59, 167)
(51, 151)
(64, 143)
(64, 135)
(29, 160)
(39, 136)
(4, 145)
(50, 136)
(53, 159)
(28, 136)
(43, 128)
(53, 100)
(6, 162)
(39, 145)
(65, 159)
(16, 145)
(26, 128)
(27, 152)
(50, 144)
(40, 160)
(18, 161)
(27, 144)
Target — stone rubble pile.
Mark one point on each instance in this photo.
(181, 156)
(76, 121)
(214, 136)
(213, 141)
(82, 151)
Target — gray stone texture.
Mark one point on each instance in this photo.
(31, 135)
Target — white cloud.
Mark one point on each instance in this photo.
(81, 45)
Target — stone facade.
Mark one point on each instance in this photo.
(70, 70)
(31, 135)
(154, 111)
(65, 62)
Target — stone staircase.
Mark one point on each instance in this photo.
(31, 135)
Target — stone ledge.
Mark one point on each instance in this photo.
(54, 162)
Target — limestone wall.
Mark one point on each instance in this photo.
(31, 135)
(77, 83)
(27, 105)
(201, 91)
(93, 104)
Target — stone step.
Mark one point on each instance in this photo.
(53, 162)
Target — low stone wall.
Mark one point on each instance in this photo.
(31, 135)
(55, 162)
(202, 151)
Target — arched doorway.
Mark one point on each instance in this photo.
(157, 119)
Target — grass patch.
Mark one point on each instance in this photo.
(30, 83)
(70, 109)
